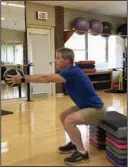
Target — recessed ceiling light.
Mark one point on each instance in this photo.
(10, 4)
(2, 18)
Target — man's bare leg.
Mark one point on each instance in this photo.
(70, 126)
(70, 146)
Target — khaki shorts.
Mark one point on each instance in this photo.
(92, 115)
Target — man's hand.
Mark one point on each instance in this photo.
(14, 79)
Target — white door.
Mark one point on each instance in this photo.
(39, 54)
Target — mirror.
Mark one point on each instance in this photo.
(12, 42)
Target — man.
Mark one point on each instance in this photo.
(89, 107)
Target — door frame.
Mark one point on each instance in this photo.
(38, 29)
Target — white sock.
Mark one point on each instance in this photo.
(73, 143)
(82, 152)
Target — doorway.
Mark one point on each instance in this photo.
(41, 54)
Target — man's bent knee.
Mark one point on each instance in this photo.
(68, 121)
(66, 113)
(61, 117)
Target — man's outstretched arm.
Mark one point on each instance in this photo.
(46, 78)
(37, 78)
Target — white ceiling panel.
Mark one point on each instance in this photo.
(114, 8)
(14, 16)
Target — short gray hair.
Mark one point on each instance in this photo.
(67, 54)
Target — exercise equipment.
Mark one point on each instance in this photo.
(113, 162)
(86, 66)
(107, 28)
(115, 124)
(85, 62)
(89, 70)
(3, 69)
(116, 139)
(101, 136)
(80, 25)
(97, 136)
(97, 129)
(116, 160)
(122, 86)
(4, 112)
(26, 68)
(112, 147)
(116, 154)
(105, 35)
(97, 141)
(12, 71)
(99, 147)
(118, 146)
(95, 27)
(122, 31)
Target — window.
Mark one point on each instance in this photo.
(112, 51)
(3, 53)
(97, 48)
(106, 52)
(77, 43)
(116, 47)
(12, 54)
(18, 54)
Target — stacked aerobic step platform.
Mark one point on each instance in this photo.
(115, 125)
(97, 136)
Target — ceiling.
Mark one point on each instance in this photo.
(14, 16)
(114, 8)
(15, 19)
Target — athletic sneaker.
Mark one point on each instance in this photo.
(68, 148)
(76, 158)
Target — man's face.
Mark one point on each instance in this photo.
(60, 62)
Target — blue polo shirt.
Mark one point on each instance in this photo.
(80, 88)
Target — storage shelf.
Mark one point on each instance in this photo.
(101, 79)
(99, 72)
(94, 82)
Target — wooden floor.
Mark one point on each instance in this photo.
(8, 92)
(33, 133)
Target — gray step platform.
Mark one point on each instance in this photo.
(115, 124)
(116, 139)
(121, 157)
(120, 152)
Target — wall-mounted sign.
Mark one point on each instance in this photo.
(42, 15)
